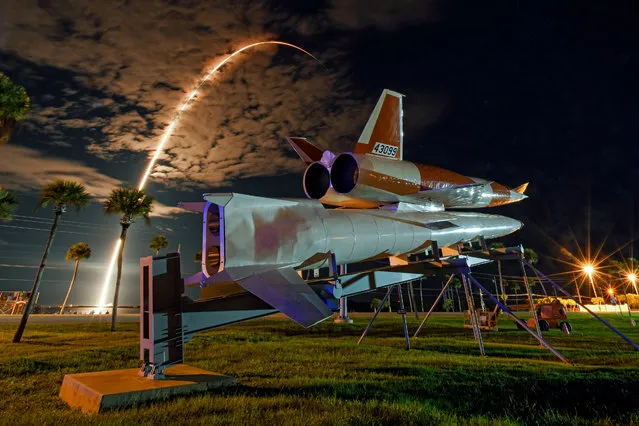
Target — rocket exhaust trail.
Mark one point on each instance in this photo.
(169, 131)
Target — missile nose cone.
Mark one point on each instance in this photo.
(516, 196)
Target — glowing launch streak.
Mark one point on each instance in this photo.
(169, 131)
(193, 94)
(114, 256)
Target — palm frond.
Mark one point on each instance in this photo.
(8, 204)
(64, 193)
(14, 107)
(78, 251)
(130, 203)
(159, 242)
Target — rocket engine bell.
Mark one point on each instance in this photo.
(316, 181)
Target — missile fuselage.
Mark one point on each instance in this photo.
(247, 232)
(360, 180)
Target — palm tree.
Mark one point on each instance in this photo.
(158, 243)
(624, 268)
(530, 256)
(14, 107)
(8, 204)
(76, 252)
(131, 203)
(515, 285)
(456, 284)
(61, 194)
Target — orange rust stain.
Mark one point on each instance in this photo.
(436, 178)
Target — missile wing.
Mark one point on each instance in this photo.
(286, 291)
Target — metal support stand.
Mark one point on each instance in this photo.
(634, 345)
(377, 311)
(482, 243)
(435, 248)
(520, 322)
(434, 304)
(530, 298)
(501, 281)
(343, 301)
(474, 320)
(413, 301)
(402, 312)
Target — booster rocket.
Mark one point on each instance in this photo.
(261, 244)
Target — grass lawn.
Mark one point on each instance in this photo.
(289, 375)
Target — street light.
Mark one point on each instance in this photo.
(589, 270)
(632, 277)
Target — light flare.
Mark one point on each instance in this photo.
(589, 269)
(169, 131)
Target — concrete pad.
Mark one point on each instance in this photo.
(103, 390)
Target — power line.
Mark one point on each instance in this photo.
(46, 230)
(63, 231)
(30, 280)
(7, 265)
(61, 222)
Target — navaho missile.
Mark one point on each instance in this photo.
(260, 245)
(375, 172)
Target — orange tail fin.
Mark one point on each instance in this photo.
(384, 134)
(521, 188)
(306, 150)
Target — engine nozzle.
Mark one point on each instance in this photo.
(317, 180)
(344, 173)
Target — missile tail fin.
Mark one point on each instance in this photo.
(521, 189)
(284, 290)
(308, 152)
(384, 134)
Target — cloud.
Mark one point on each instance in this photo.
(128, 65)
(167, 212)
(133, 62)
(26, 169)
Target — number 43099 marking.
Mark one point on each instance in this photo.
(385, 150)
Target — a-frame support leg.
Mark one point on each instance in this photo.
(520, 322)
(474, 320)
(434, 304)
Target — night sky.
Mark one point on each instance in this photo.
(510, 91)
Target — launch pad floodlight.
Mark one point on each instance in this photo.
(611, 291)
(632, 277)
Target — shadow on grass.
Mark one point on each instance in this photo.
(22, 367)
(525, 398)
